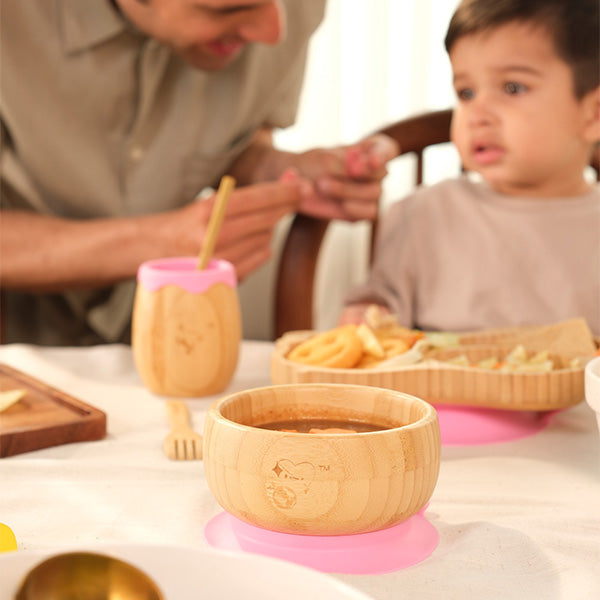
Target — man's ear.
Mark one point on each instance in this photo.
(591, 113)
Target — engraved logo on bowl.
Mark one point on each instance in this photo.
(302, 484)
(290, 480)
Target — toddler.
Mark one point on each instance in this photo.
(522, 245)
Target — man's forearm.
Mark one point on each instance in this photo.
(41, 253)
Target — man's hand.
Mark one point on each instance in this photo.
(72, 254)
(250, 220)
(347, 181)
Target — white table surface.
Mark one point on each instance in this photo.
(517, 519)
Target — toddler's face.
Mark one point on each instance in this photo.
(517, 121)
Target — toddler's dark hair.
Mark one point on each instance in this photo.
(573, 24)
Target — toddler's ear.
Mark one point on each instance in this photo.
(591, 108)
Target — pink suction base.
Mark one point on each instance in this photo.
(381, 551)
(386, 550)
(471, 426)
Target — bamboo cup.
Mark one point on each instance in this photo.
(325, 483)
(186, 327)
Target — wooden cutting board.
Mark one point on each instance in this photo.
(44, 417)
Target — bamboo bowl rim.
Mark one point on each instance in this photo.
(427, 414)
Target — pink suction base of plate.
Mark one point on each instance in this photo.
(471, 426)
(381, 551)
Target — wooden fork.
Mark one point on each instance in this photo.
(182, 443)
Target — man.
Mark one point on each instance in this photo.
(116, 114)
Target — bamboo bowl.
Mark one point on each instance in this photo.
(322, 483)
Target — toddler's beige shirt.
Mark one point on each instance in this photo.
(459, 257)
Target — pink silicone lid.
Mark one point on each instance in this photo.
(181, 271)
(383, 551)
(470, 426)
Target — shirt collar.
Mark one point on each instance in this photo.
(88, 23)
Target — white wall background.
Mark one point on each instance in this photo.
(371, 62)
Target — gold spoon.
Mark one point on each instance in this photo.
(86, 576)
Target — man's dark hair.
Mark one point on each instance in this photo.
(573, 24)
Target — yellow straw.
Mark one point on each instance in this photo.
(216, 219)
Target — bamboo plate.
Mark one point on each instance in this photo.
(445, 383)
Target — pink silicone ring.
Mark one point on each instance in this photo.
(383, 551)
(182, 272)
(474, 426)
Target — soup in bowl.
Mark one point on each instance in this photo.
(322, 459)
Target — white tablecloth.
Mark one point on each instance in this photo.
(516, 520)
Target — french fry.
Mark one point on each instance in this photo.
(370, 343)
